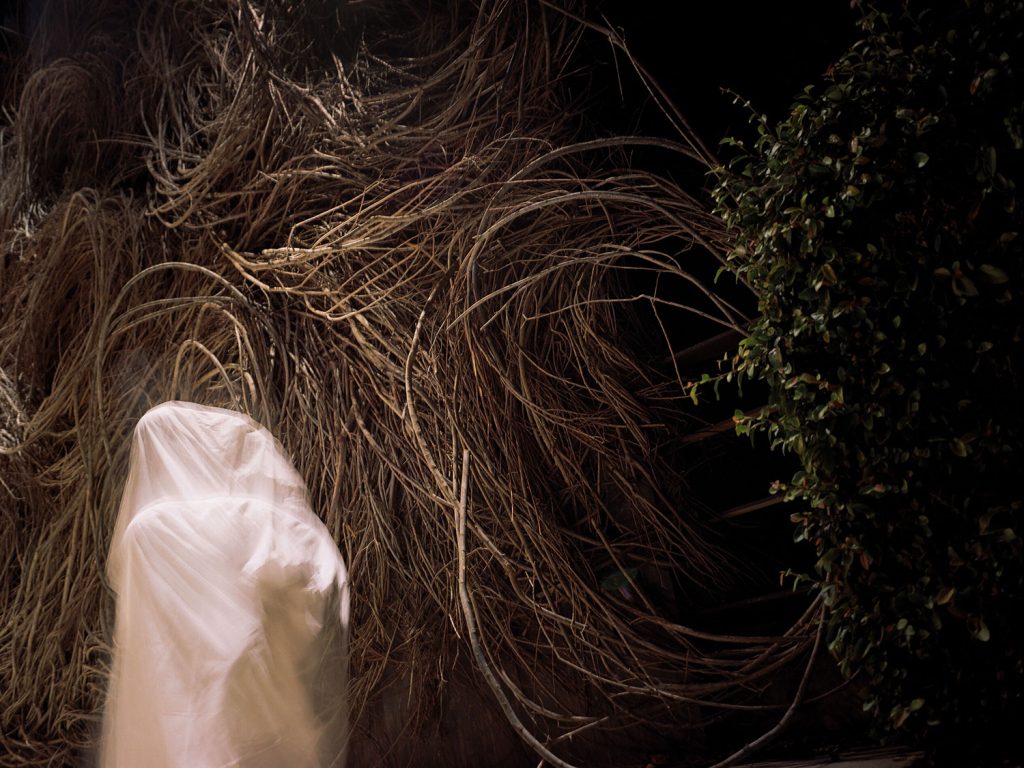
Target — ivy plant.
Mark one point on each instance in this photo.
(880, 226)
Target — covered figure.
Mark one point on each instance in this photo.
(230, 644)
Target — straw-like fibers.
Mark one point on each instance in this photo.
(399, 256)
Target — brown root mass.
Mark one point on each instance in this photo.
(391, 246)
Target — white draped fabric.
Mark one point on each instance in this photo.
(230, 645)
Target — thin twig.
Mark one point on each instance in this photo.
(765, 738)
(478, 653)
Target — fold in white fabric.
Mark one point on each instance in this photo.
(230, 643)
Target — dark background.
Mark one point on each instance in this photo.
(764, 52)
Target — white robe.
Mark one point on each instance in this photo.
(230, 645)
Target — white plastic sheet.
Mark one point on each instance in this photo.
(230, 644)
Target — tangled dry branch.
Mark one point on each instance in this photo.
(394, 248)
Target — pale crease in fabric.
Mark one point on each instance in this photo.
(230, 644)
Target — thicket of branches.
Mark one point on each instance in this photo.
(379, 232)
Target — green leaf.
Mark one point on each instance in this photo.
(920, 159)
(981, 632)
(994, 274)
(965, 286)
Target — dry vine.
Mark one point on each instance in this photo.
(391, 252)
